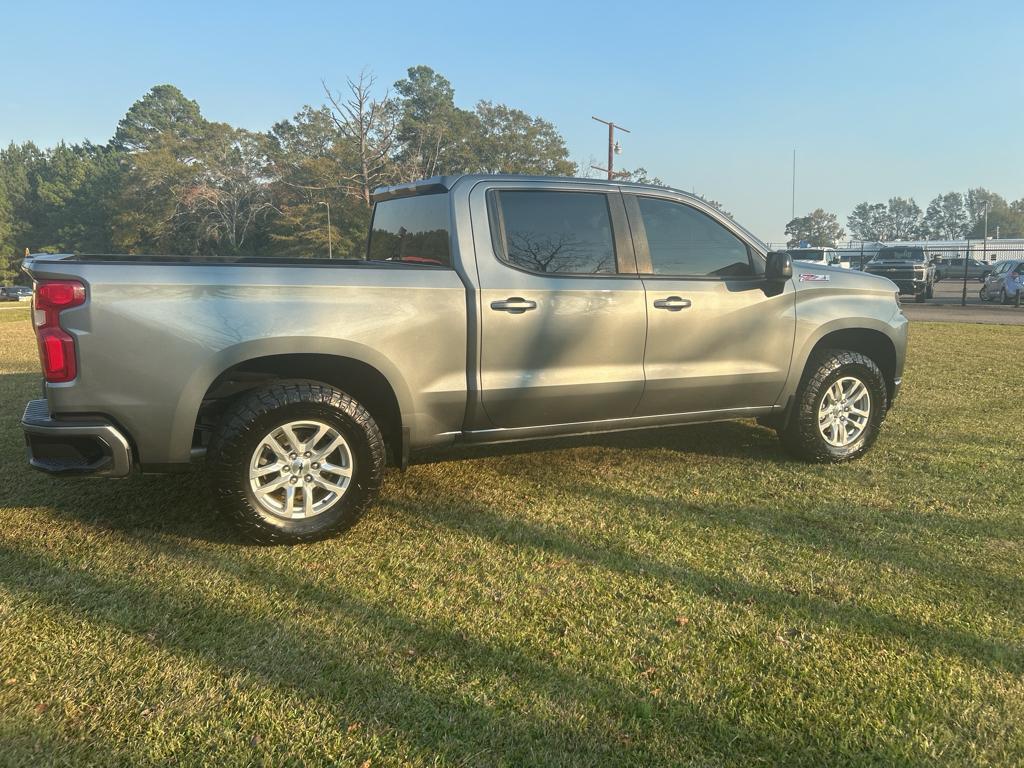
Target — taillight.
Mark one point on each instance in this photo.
(56, 346)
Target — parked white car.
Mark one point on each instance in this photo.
(828, 256)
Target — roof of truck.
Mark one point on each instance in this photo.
(437, 184)
(440, 184)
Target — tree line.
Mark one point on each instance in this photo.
(950, 216)
(171, 181)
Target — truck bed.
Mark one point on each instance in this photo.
(157, 332)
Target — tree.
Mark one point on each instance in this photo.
(946, 217)
(370, 124)
(639, 176)
(229, 193)
(868, 222)
(511, 141)
(309, 158)
(1005, 217)
(163, 111)
(904, 219)
(818, 228)
(900, 219)
(434, 136)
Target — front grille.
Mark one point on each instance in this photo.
(897, 274)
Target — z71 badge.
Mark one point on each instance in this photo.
(812, 278)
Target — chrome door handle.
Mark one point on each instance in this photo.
(672, 303)
(515, 305)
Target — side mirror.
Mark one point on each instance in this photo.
(779, 266)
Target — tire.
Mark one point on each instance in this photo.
(804, 436)
(310, 501)
(920, 297)
(983, 294)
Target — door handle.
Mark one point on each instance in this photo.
(672, 303)
(515, 305)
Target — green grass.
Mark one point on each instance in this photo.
(13, 313)
(684, 597)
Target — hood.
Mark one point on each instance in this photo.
(809, 275)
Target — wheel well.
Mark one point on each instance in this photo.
(871, 343)
(363, 382)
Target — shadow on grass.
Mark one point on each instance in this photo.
(383, 688)
(480, 521)
(179, 505)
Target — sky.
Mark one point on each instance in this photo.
(878, 98)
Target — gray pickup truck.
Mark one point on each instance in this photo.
(487, 309)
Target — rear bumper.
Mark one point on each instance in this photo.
(88, 446)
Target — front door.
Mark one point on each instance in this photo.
(562, 311)
(718, 336)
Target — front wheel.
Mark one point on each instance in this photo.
(839, 408)
(295, 462)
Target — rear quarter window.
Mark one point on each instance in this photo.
(411, 230)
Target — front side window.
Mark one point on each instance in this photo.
(685, 241)
(412, 230)
(553, 232)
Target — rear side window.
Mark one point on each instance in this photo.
(685, 241)
(413, 230)
(553, 232)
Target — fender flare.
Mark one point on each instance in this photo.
(186, 410)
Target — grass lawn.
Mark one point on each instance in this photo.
(684, 597)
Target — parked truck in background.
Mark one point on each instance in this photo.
(487, 309)
(906, 266)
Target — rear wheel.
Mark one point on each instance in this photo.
(296, 462)
(839, 408)
(983, 294)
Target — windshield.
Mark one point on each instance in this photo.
(900, 254)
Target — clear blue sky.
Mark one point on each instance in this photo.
(879, 98)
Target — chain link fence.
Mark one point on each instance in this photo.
(968, 262)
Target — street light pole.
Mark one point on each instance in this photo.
(330, 249)
(792, 204)
(611, 146)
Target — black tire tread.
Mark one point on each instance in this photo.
(247, 409)
(800, 436)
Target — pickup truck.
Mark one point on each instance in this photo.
(487, 309)
(908, 268)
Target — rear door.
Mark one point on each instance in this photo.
(994, 281)
(562, 312)
(718, 336)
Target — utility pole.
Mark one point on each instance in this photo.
(330, 249)
(984, 243)
(613, 147)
